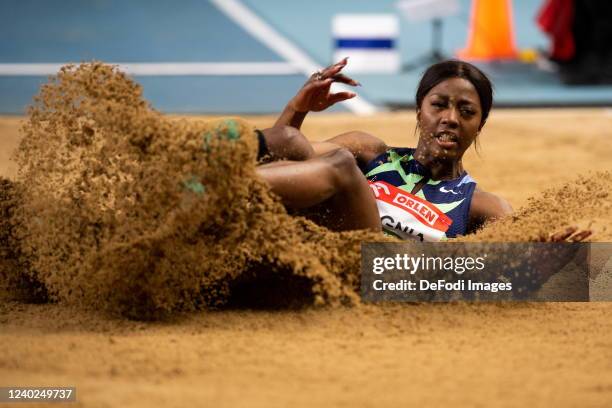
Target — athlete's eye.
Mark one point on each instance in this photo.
(438, 104)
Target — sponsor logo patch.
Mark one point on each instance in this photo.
(407, 214)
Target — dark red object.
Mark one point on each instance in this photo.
(556, 18)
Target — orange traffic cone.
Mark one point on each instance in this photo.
(491, 35)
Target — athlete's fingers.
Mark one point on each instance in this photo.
(330, 72)
(563, 235)
(581, 236)
(334, 69)
(341, 96)
(346, 80)
(323, 82)
(325, 85)
(340, 64)
(318, 84)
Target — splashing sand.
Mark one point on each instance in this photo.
(584, 202)
(126, 210)
(123, 209)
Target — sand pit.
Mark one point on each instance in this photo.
(497, 355)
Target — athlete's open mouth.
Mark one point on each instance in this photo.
(447, 136)
(447, 140)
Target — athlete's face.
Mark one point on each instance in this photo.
(449, 119)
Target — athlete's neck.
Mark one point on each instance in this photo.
(440, 169)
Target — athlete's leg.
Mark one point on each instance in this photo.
(332, 180)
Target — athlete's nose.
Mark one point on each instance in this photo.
(450, 117)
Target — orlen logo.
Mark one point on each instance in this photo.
(419, 208)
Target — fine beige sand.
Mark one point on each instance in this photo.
(555, 354)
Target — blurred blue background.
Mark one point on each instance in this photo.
(158, 31)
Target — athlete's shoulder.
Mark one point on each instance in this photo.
(466, 179)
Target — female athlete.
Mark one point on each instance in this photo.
(423, 192)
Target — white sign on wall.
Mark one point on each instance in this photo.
(369, 40)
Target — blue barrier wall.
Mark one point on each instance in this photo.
(39, 31)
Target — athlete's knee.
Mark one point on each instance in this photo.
(341, 158)
(344, 168)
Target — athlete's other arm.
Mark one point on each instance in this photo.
(487, 207)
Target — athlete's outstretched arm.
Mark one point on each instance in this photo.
(331, 180)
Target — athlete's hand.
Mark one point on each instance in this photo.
(316, 96)
(570, 234)
(560, 255)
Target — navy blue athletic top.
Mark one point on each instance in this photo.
(397, 167)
